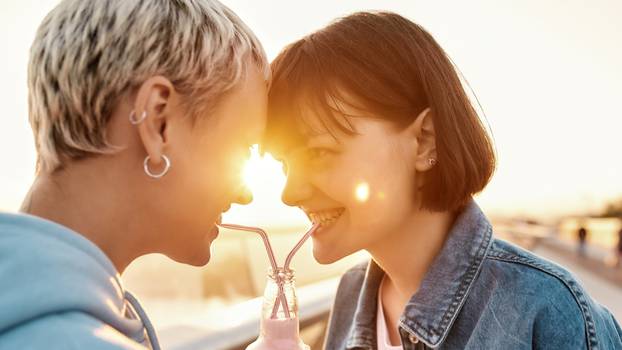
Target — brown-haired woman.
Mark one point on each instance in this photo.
(383, 148)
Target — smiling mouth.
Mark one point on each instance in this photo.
(326, 217)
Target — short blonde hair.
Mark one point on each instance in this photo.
(87, 54)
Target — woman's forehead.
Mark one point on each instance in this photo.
(307, 117)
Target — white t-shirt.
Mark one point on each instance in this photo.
(382, 332)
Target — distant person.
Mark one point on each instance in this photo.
(581, 240)
(143, 113)
(383, 148)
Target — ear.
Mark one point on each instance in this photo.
(152, 108)
(421, 131)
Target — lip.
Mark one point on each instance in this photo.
(322, 230)
(214, 231)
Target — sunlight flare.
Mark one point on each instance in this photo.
(262, 173)
(362, 192)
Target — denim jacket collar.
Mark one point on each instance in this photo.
(432, 310)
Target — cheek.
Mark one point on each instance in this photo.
(200, 182)
(378, 197)
(387, 203)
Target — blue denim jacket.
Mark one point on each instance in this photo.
(479, 293)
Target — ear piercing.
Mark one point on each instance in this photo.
(135, 121)
(167, 161)
(167, 166)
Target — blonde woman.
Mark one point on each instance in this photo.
(142, 114)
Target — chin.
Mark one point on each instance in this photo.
(325, 257)
(193, 256)
(201, 260)
(198, 260)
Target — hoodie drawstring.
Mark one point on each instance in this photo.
(142, 315)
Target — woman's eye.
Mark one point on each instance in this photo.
(318, 153)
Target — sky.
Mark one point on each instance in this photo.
(547, 75)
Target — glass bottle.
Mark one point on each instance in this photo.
(279, 331)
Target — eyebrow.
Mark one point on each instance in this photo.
(324, 137)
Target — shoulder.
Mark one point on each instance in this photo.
(528, 273)
(525, 269)
(67, 331)
(555, 300)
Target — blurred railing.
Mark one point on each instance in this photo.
(315, 302)
(526, 235)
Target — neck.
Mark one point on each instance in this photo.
(408, 253)
(80, 200)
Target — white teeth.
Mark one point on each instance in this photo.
(326, 217)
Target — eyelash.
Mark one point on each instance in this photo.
(312, 154)
(318, 152)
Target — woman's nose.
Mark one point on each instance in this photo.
(296, 191)
(244, 196)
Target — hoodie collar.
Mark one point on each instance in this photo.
(432, 310)
(53, 269)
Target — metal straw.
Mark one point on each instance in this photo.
(288, 261)
(264, 236)
(291, 254)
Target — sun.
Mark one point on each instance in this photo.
(262, 174)
(264, 177)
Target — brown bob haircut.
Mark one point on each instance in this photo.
(391, 68)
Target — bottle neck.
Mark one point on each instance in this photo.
(280, 317)
(280, 300)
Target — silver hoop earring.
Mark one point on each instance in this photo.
(167, 166)
(432, 161)
(135, 121)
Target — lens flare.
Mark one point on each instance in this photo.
(362, 192)
(262, 174)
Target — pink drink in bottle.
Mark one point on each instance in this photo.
(280, 330)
